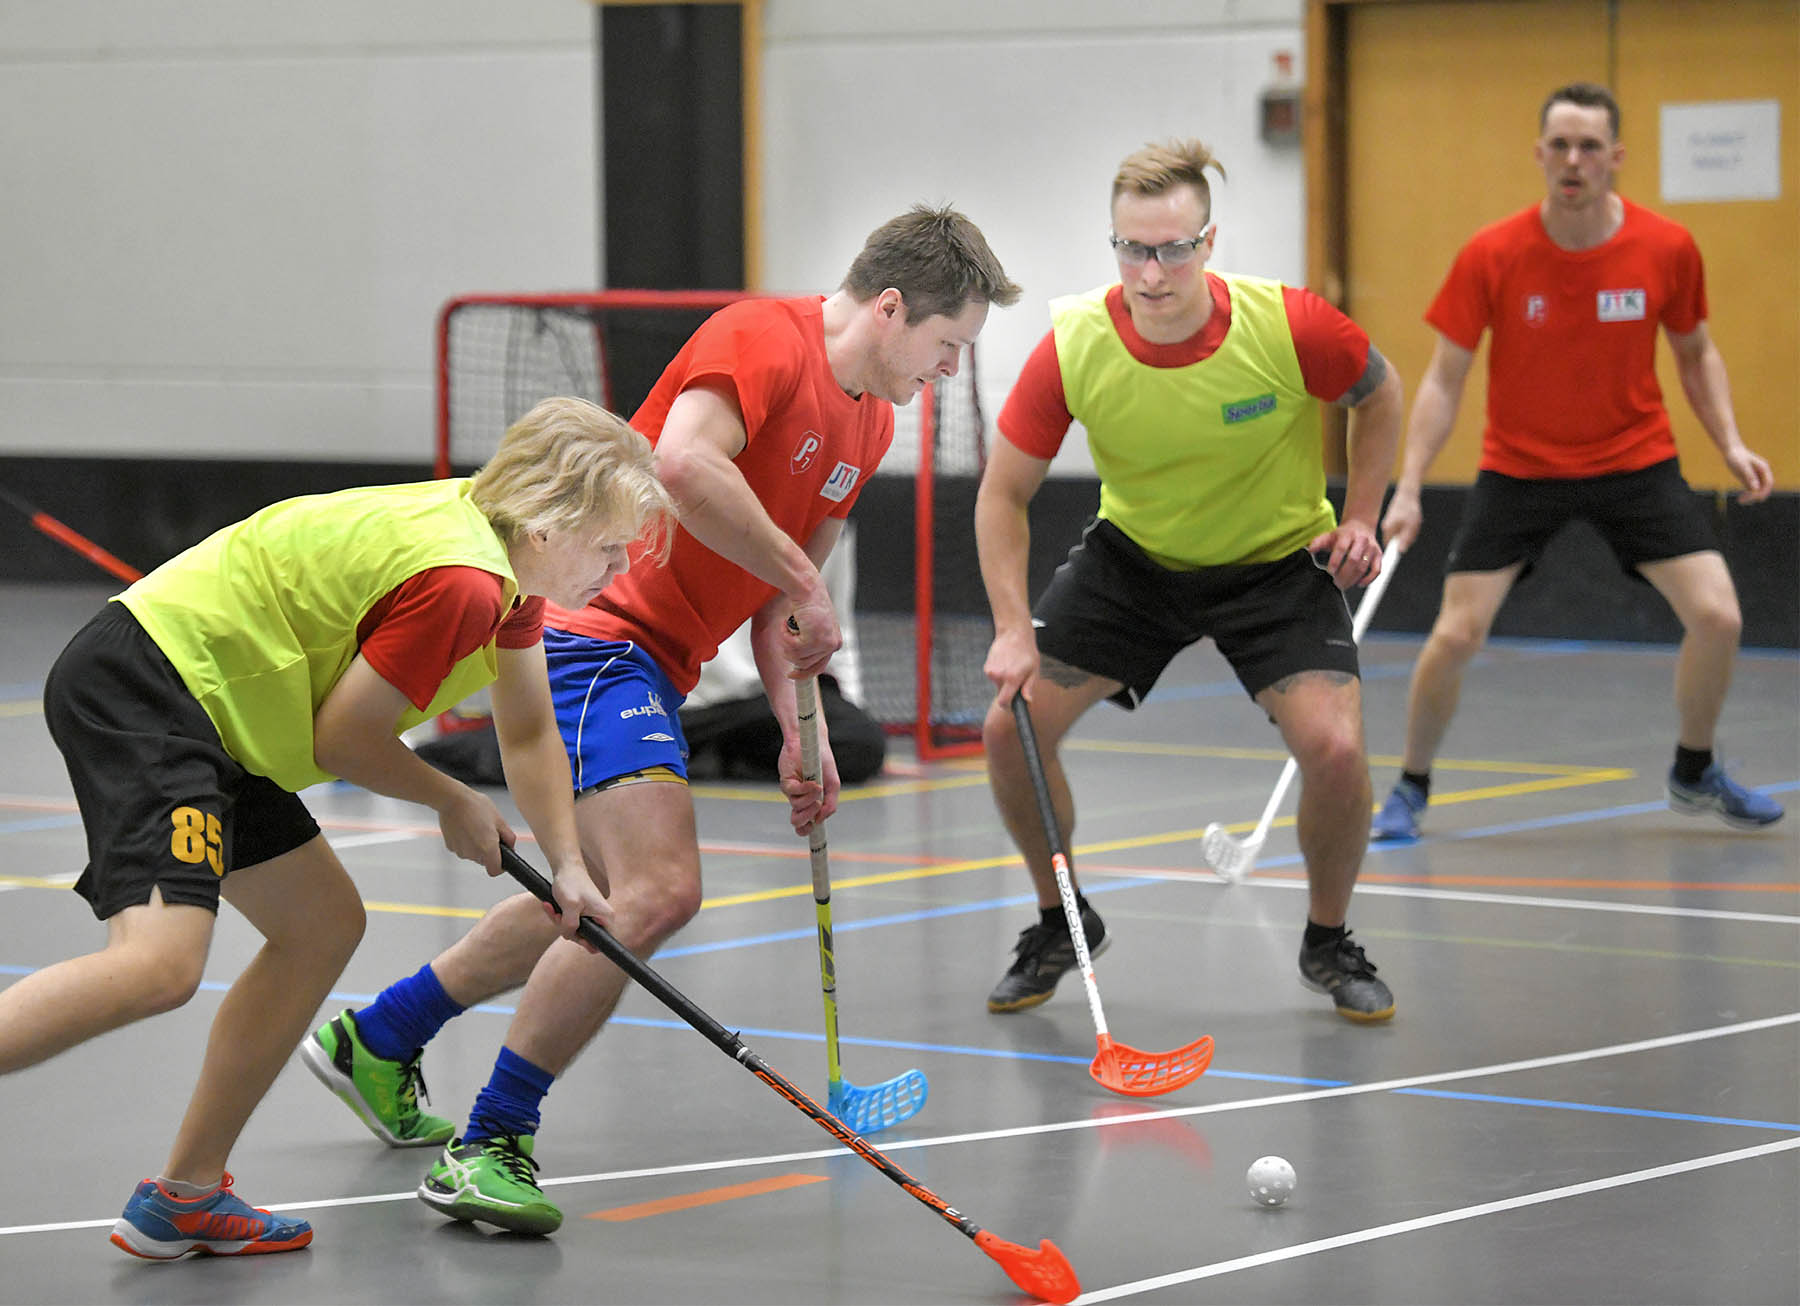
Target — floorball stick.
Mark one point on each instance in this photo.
(874, 1108)
(1118, 1067)
(73, 539)
(1044, 1273)
(1234, 859)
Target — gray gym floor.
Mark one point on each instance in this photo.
(1591, 1092)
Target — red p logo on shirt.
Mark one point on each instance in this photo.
(804, 451)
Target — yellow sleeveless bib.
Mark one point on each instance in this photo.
(260, 618)
(1213, 463)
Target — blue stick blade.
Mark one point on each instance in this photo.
(879, 1106)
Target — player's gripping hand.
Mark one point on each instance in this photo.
(575, 893)
(1012, 662)
(473, 828)
(811, 635)
(1400, 524)
(1351, 553)
(808, 802)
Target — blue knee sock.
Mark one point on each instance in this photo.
(405, 1015)
(509, 1104)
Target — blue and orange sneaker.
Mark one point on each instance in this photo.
(160, 1226)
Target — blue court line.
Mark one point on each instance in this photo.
(1595, 1108)
(23, 824)
(900, 918)
(1013, 1054)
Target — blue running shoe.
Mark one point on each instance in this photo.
(1399, 816)
(1738, 806)
(161, 1227)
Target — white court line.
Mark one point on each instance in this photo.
(1431, 1221)
(380, 836)
(1463, 895)
(1061, 1126)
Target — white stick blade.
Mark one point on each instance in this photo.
(1230, 860)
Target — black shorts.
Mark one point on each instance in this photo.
(1113, 612)
(163, 803)
(1644, 516)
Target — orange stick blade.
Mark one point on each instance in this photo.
(1046, 1273)
(1147, 1074)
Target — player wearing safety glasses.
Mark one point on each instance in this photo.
(1200, 395)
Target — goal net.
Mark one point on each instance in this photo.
(920, 628)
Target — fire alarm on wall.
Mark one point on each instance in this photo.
(1281, 104)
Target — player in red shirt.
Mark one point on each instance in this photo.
(1573, 291)
(766, 425)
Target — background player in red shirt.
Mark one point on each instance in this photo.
(767, 425)
(1574, 290)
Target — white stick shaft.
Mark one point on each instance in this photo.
(1059, 859)
(1365, 613)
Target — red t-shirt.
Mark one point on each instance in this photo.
(810, 451)
(424, 626)
(1332, 350)
(1572, 365)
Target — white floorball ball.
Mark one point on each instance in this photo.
(1271, 1180)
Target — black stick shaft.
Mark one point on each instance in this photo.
(731, 1045)
(1040, 784)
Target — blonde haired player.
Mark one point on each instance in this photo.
(286, 650)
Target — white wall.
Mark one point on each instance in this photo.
(1018, 112)
(227, 226)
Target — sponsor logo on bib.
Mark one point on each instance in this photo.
(1244, 410)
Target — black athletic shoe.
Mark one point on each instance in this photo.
(1340, 969)
(1042, 956)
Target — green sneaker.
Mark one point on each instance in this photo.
(490, 1180)
(384, 1094)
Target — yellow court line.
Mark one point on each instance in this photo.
(1280, 755)
(915, 873)
(1438, 800)
(22, 707)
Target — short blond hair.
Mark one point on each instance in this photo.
(569, 465)
(1158, 168)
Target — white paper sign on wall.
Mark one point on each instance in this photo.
(1721, 150)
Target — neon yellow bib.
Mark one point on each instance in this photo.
(260, 618)
(1213, 463)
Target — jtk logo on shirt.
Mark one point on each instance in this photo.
(1622, 305)
(810, 444)
(841, 481)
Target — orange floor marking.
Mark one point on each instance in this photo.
(708, 1197)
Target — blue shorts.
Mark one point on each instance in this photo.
(617, 710)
